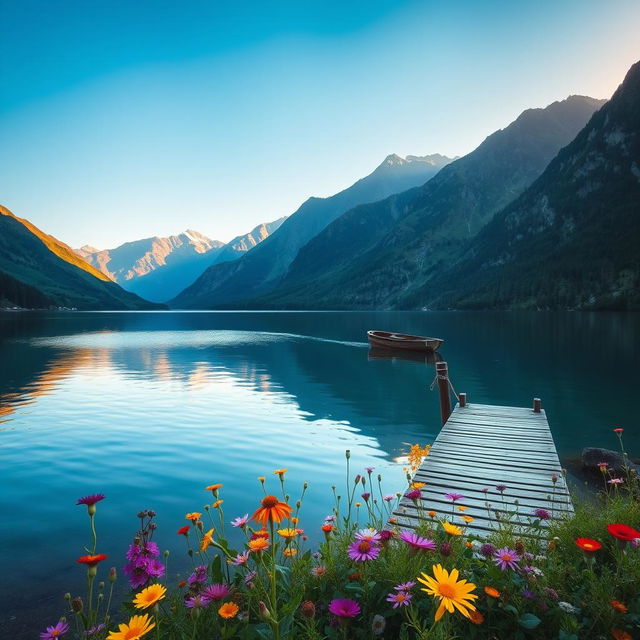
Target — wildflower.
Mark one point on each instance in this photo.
(417, 542)
(588, 545)
(476, 617)
(216, 591)
(318, 572)
(501, 488)
(492, 592)
(207, 539)
(454, 497)
(552, 593)
(619, 430)
(405, 586)
(461, 507)
(534, 570)
(619, 634)
(467, 519)
(432, 514)
(137, 627)
(451, 591)
(261, 479)
(413, 495)
(366, 496)
(400, 599)
(619, 607)
(55, 631)
(507, 558)
(378, 624)
(194, 517)
(272, 510)
(240, 560)
(418, 485)
(623, 532)
(386, 535)
(363, 550)
(217, 503)
(542, 514)
(615, 481)
(287, 534)
(280, 472)
(369, 470)
(308, 609)
(445, 549)
(344, 608)
(370, 535)
(92, 561)
(182, 584)
(183, 531)
(260, 534)
(330, 518)
(240, 522)
(249, 578)
(228, 610)
(196, 602)
(526, 593)
(327, 528)
(143, 564)
(387, 498)
(567, 607)
(258, 545)
(149, 596)
(451, 529)
(91, 501)
(199, 576)
(358, 504)
(554, 478)
(290, 552)
(94, 631)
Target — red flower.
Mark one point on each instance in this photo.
(327, 528)
(182, 531)
(588, 545)
(623, 532)
(92, 561)
(618, 430)
(260, 534)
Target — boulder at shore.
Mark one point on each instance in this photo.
(591, 456)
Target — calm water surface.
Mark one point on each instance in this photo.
(151, 407)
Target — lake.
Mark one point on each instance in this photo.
(149, 408)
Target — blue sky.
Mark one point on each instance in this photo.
(122, 119)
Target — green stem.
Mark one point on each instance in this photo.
(93, 532)
(274, 602)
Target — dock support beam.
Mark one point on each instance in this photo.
(462, 399)
(442, 373)
(537, 405)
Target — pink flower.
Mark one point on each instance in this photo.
(216, 591)
(454, 497)
(240, 559)
(363, 550)
(240, 522)
(413, 495)
(400, 599)
(370, 535)
(615, 481)
(414, 540)
(196, 602)
(405, 586)
(507, 558)
(366, 496)
(91, 500)
(55, 631)
(543, 514)
(344, 608)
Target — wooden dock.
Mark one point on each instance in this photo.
(501, 459)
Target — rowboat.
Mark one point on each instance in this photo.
(422, 357)
(391, 340)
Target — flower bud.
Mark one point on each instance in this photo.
(347, 454)
(308, 609)
(100, 597)
(153, 526)
(101, 585)
(151, 513)
(519, 546)
(298, 504)
(445, 549)
(67, 596)
(77, 605)
(305, 486)
(142, 514)
(165, 553)
(265, 614)
(113, 575)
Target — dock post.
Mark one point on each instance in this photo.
(442, 373)
(462, 399)
(537, 405)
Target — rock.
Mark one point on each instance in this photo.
(591, 456)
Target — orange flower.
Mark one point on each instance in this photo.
(619, 634)
(295, 520)
(263, 533)
(476, 617)
(468, 544)
(194, 517)
(214, 487)
(619, 607)
(272, 510)
(92, 561)
(217, 503)
(258, 545)
(327, 528)
(467, 519)
(418, 485)
(490, 591)
(207, 539)
(261, 478)
(290, 552)
(432, 514)
(462, 508)
(280, 472)
(228, 610)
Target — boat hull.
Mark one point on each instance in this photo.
(403, 341)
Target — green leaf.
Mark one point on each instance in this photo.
(529, 621)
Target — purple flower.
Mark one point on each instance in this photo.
(199, 576)
(215, 591)
(94, 631)
(91, 500)
(552, 593)
(454, 497)
(386, 535)
(526, 593)
(615, 481)
(388, 498)
(543, 514)
(196, 602)
(400, 599)
(413, 495)
(250, 577)
(344, 608)
(405, 586)
(240, 522)
(240, 559)
(330, 518)
(363, 550)
(143, 564)
(501, 488)
(56, 631)
(417, 542)
(506, 558)
(371, 535)
(487, 550)
(446, 549)
(366, 496)
(369, 470)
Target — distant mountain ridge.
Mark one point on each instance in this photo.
(38, 270)
(375, 254)
(262, 268)
(158, 268)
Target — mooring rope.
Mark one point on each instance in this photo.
(439, 376)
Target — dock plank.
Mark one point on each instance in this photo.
(478, 449)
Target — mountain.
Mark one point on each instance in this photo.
(159, 268)
(261, 269)
(37, 270)
(375, 254)
(572, 239)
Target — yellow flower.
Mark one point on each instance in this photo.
(261, 478)
(418, 485)
(290, 552)
(217, 503)
(149, 596)
(136, 628)
(453, 593)
(228, 610)
(467, 519)
(288, 533)
(280, 472)
(462, 508)
(357, 504)
(193, 516)
(207, 539)
(257, 545)
(451, 529)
